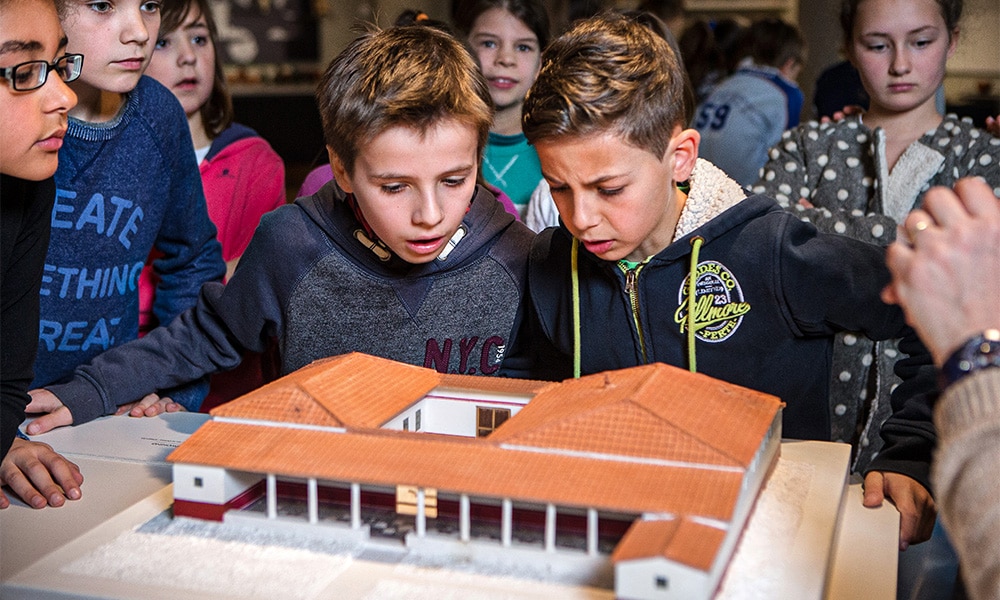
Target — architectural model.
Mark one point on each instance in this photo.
(652, 468)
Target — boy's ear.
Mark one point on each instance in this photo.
(340, 174)
(685, 152)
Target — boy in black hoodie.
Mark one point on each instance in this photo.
(662, 258)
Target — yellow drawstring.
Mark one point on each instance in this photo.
(696, 243)
(575, 277)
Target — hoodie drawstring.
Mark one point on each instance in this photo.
(696, 243)
(575, 278)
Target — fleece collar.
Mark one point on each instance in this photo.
(712, 193)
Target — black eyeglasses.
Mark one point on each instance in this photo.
(33, 74)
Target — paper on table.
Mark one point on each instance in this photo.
(141, 439)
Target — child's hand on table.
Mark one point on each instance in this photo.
(150, 406)
(38, 475)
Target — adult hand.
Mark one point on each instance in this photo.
(917, 511)
(150, 406)
(54, 412)
(38, 475)
(945, 266)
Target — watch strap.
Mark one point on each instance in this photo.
(980, 352)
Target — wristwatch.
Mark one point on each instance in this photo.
(980, 352)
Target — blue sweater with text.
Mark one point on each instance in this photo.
(123, 187)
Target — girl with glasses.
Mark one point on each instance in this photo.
(34, 105)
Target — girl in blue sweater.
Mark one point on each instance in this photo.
(127, 183)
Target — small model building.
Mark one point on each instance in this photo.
(658, 463)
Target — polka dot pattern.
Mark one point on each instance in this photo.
(835, 166)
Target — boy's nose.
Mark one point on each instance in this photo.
(428, 211)
(583, 215)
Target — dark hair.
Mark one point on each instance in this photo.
(951, 12)
(730, 38)
(700, 54)
(774, 42)
(530, 12)
(607, 73)
(217, 113)
(412, 76)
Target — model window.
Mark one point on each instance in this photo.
(416, 421)
(662, 583)
(489, 419)
(406, 424)
(198, 482)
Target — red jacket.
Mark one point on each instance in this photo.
(243, 178)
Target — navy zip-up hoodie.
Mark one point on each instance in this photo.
(771, 292)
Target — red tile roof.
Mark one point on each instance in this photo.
(355, 389)
(612, 441)
(462, 465)
(653, 411)
(496, 385)
(681, 540)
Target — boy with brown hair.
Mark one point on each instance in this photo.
(404, 256)
(663, 258)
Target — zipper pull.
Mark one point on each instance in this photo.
(630, 278)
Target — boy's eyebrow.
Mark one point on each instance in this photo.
(593, 182)
(462, 169)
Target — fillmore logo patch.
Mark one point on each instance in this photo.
(718, 303)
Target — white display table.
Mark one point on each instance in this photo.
(802, 540)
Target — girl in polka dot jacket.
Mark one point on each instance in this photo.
(862, 175)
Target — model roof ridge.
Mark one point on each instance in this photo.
(684, 539)
(282, 400)
(366, 391)
(460, 382)
(621, 430)
(673, 398)
(740, 432)
(341, 390)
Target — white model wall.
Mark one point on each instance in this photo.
(449, 416)
(218, 486)
(636, 580)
